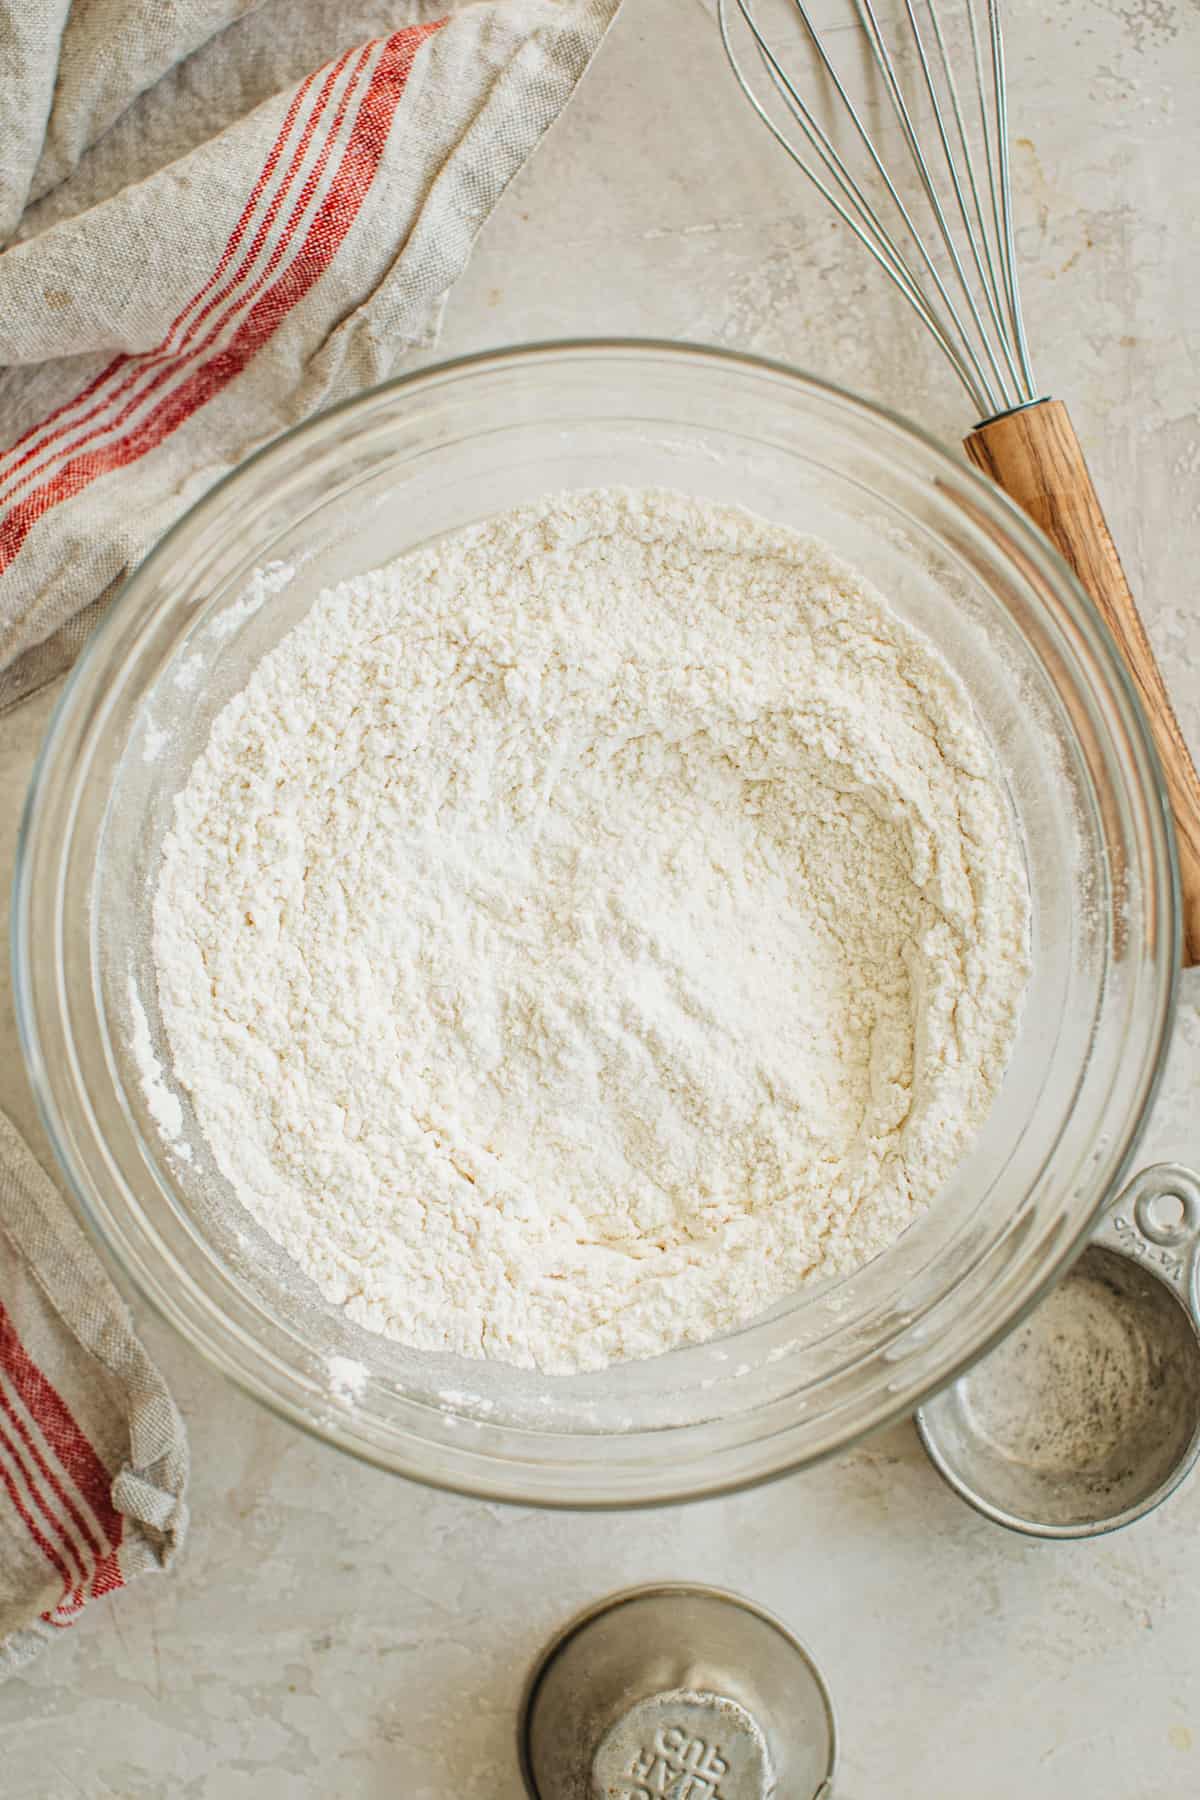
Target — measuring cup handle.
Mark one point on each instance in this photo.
(1173, 1247)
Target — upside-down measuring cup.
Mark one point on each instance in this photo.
(1088, 1415)
(677, 1691)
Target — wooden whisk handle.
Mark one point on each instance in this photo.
(1035, 457)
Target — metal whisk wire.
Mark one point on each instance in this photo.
(971, 302)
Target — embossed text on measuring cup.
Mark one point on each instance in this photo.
(677, 1765)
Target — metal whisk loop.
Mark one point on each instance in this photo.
(960, 277)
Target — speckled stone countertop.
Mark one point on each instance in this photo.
(335, 1634)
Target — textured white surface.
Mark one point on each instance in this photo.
(333, 1634)
(672, 963)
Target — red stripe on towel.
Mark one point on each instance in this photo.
(323, 238)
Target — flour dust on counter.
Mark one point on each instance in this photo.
(590, 929)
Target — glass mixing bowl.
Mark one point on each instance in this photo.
(422, 456)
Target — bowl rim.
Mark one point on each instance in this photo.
(485, 1475)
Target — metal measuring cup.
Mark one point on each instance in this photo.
(1088, 1415)
(676, 1690)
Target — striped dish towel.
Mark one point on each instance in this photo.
(93, 1454)
(219, 216)
(216, 216)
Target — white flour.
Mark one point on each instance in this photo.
(582, 933)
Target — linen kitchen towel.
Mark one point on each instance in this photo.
(93, 1454)
(217, 217)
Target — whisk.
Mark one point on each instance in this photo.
(949, 248)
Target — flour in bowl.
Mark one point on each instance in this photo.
(590, 929)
